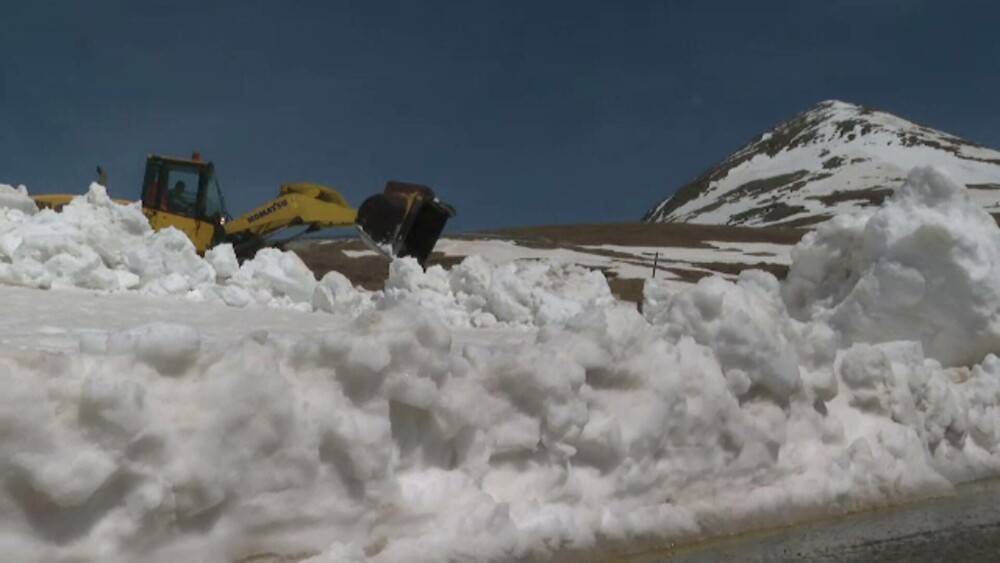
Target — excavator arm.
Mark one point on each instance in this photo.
(300, 204)
(314, 205)
(404, 220)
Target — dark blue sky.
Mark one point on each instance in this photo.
(516, 112)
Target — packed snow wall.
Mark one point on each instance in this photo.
(95, 243)
(406, 432)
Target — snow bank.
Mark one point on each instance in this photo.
(399, 437)
(95, 243)
(475, 293)
(389, 440)
(924, 267)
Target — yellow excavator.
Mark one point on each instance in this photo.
(404, 220)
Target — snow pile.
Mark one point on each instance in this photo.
(398, 437)
(924, 268)
(383, 439)
(746, 326)
(475, 293)
(95, 243)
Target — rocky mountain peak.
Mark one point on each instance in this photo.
(835, 157)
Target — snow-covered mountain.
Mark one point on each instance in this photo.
(832, 159)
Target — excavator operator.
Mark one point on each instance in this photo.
(176, 202)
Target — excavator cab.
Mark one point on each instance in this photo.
(184, 194)
(404, 220)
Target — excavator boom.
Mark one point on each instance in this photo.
(297, 204)
(301, 204)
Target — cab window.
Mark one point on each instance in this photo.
(182, 192)
(214, 207)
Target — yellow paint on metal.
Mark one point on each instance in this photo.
(201, 233)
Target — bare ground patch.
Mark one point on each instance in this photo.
(370, 272)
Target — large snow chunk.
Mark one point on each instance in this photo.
(924, 267)
(17, 198)
(168, 263)
(895, 381)
(223, 260)
(336, 294)
(279, 273)
(744, 323)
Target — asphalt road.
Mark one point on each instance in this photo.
(954, 529)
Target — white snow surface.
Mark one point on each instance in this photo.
(487, 413)
(622, 261)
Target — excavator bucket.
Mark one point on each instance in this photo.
(404, 220)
